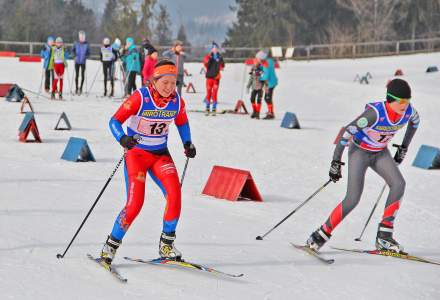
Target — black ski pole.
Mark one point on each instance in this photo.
(295, 210)
(358, 239)
(184, 171)
(93, 206)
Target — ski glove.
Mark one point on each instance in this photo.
(128, 142)
(400, 153)
(190, 150)
(335, 170)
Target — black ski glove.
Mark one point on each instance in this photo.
(190, 149)
(335, 170)
(400, 153)
(128, 142)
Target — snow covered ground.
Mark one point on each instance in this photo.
(43, 199)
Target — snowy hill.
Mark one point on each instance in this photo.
(43, 199)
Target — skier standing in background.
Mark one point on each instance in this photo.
(149, 112)
(46, 54)
(57, 63)
(116, 46)
(257, 88)
(132, 65)
(149, 63)
(176, 55)
(81, 51)
(214, 64)
(370, 134)
(270, 79)
(108, 56)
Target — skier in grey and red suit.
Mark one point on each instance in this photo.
(370, 133)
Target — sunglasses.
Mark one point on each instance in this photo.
(400, 100)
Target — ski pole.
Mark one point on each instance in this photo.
(295, 210)
(184, 171)
(93, 206)
(358, 239)
(41, 84)
(70, 82)
(94, 79)
(32, 92)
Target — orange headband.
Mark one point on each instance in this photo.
(165, 70)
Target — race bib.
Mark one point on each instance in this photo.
(150, 127)
(380, 137)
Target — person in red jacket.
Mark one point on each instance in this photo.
(149, 112)
(150, 62)
(213, 62)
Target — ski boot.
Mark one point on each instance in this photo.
(76, 91)
(112, 92)
(317, 239)
(269, 116)
(108, 251)
(60, 96)
(257, 115)
(253, 115)
(52, 96)
(166, 246)
(385, 241)
(105, 93)
(207, 112)
(214, 112)
(80, 91)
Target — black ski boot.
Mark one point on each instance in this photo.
(108, 251)
(254, 115)
(60, 96)
(318, 239)
(167, 248)
(385, 241)
(269, 116)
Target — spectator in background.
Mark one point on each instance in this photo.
(57, 63)
(257, 88)
(117, 47)
(176, 55)
(149, 63)
(213, 62)
(132, 62)
(81, 51)
(270, 79)
(45, 54)
(107, 57)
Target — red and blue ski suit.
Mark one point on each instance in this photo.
(149, 115)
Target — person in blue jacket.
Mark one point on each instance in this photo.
(45, 54)
(81, 51)
(270, 79)
(132, 62)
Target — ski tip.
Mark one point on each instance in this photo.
(259, 238)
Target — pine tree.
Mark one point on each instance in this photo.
(109, 19)
(163, 31)
(181, 36)
(127, 22)
(144, 26)
(77, 17)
